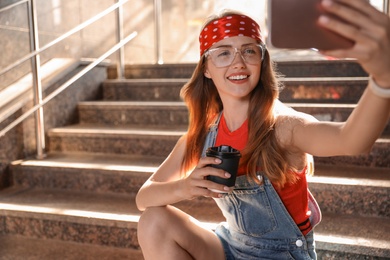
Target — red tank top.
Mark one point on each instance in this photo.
(294, 196)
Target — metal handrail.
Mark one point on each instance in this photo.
(35, 64)
(37, 80)
(10, 6)
(121, 53)
(65, 35)
(67, 83)
(158, 30)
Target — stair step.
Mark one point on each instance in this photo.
(313, 90)
(82, 217)
(379, 156)
(141, 140)
(321, 68)
(110, 220)
(19, 247)
(341, 236)
(168, 113)
(323, 90)
(133, 113)
(353, 190)
(150, 71)
(162, 89)
(365, 197)
(312, 68)
(85, 172)
(114, 140)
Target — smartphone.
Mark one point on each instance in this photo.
(293, 24)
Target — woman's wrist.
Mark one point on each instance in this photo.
(379, 91)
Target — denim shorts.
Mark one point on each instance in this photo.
(258, 225)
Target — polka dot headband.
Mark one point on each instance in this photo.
(228, 26)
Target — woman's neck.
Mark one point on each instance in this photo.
(235, 115)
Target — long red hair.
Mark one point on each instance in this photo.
(262, 150)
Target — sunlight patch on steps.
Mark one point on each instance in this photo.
(348, 181)
(149, 105)
(88, 214)
(68, 212)
(82, 165)
(106, 131)
(349, 240)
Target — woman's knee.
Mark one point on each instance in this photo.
(153, 221)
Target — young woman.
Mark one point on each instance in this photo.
(269, 213)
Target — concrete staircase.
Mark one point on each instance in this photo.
(78, 203)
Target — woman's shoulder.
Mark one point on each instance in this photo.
(182, 142)
(283, 112)
(286, 120)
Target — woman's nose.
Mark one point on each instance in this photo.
(240, 61)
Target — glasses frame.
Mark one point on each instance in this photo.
(262, 46)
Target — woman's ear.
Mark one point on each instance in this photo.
(206, 73)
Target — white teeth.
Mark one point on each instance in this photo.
(238, 77)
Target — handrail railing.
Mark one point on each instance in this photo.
(10, 6)
(121, 53)
(67, 84)
(158, 30)
(65, 35)
(37, 80)
(35, 63)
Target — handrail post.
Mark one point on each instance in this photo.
(121, 52)
(386, 7)
(36, 77)
(157, 30)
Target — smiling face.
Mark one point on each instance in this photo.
(234, 82)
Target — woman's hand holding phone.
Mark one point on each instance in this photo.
(368, 28)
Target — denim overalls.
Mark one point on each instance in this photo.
(258, 226)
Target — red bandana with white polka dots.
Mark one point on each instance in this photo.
(228, 26)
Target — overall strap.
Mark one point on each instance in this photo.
(211, 135)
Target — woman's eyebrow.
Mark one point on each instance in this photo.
(229, 45)
(222, 46)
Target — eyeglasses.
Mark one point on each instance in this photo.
(224, 56)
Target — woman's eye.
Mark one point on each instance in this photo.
(224, 53)
(249, 51)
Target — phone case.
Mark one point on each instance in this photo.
(292, 24)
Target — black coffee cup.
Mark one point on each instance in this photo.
(230, 158)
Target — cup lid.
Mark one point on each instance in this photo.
(225, 150)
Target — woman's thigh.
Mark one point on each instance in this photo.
(168, 230)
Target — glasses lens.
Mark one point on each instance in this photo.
(252, 54)
(224, 56)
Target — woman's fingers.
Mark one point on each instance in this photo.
(197, 183)
(357, 12)
(364, 7)
(360, 19)
(208, 188)
(204, 161)
(354, 23)
(368, 28)
(212, 189)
